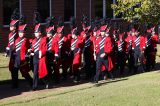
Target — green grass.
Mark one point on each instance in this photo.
(138, 90)
(3, 60)
(4, 72)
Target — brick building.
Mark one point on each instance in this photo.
(64, 8)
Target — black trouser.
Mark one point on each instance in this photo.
(77, 75)
(130, 58)
(148, 58)
(142, 61)
(137, 55)
(35, 75)
(31, 63)
(121, 60)
(49, 61)
(88, 63)
(14, 72)
(14, 75)
(35, 69)
(99, 62)
(65, 67)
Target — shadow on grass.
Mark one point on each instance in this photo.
(66, 92)
(6, 91)
(4, 82)
(112, 81)
(128, 73)
(3, 66)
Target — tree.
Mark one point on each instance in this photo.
(146, 11)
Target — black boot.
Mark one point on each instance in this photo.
(46, 82)
(76, 77)
(14, 75)
(29, 79)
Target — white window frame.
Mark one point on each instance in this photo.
(75, 12)
(50, 7)
(104, 8)
(20, 6)
(20, 10)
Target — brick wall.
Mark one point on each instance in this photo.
(58, 8)
(3, 31)
(28, 7)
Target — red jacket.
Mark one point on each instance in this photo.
(60, 44)
(11, 39)
(121, 46)
(96, 44)
(88, 46)
(133, 41)
(76, 48)
(142, 40)
(108, 50)
(23, 48)
(51, 42)
(77, 44)
(93, 39)
(108, 45)
(88, 43)
(154, 40)
(42, 61)
(128, 41)
(11, 47)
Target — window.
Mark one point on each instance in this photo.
(103, 8)
(8, 8)
(109, 10)
(44, 8)
(99, 8)
(69, 9)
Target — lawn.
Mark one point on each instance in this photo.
(137, 90)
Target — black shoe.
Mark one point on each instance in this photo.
(14, 87)
(47, 86)
(76, 79)
(31, 84)
(96, 82)
(105, 78)
(112, 77)
(64, 78)
(34, 89)
(57, 82)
